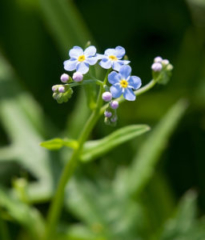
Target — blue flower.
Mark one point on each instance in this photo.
(80, 60)
(123, 83)
(111, 58)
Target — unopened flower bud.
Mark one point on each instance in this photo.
(165, 62)
(106, 96)
(169, 67)
(158, 59)
(114, 119)
(114, 104)
(77, 77)
(107, 114)
(64, 78)
(61, 89)
(156, 67)
(54, 88)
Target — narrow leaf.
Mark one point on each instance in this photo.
(145, 161)
(94, 149)
(57, 143)
(25, 215)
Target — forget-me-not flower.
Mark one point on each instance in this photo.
(123, 83)
(80, 60)
(112, 58)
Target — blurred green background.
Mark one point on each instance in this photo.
(35, 37)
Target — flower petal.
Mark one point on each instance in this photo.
(110, 51)
(105, 63)
(90, 51)
(100, 56)
(70, 65)
(124, 62)
(134, 82)
(125, 71)
(91, 60)
(114, 77)
(75, 52)
(129, 95)
(116, 65)
(120, 52)
(82, 67)
(116, 91)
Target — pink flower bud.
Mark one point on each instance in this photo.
(107, 114)
(64, 77)
(156, 67)
(114, 119)
(61, 89)
(106, 96)
(54, 88)
(158, 59)
(77, 77)
(114, 104)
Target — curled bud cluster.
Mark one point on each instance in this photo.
(111, 111)
(161, 70)
(62, 93)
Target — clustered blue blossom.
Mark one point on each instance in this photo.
(80, 60)
(123, 83)
(120, 79)
(112, 58)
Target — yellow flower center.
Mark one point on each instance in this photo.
(123, 83)
(81, 58)
(113, 58)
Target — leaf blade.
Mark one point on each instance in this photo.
(58, 143)
(93, 149)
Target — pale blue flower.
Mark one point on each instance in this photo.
(80, 60)
(112, 58)
(123, 83)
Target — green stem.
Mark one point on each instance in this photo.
(85, 82)
(4, 230)
(137, 93)
(69, 169)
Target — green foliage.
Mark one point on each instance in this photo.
(57, 143)
(27, 216)
(145, 161)
(184, 225)
(114, 210)
(104, 208)
(96, 148)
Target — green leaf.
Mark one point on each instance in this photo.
(25, 215)
(94, 149)
(65, 23)
(184, 224)
(57, 143)
(24, 134)
(79, 232)
(147, 157)
(111, 215)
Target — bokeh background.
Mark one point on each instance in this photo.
(35, 37)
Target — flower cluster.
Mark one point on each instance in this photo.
(119, 81)
(62, 93)
(161, 70)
